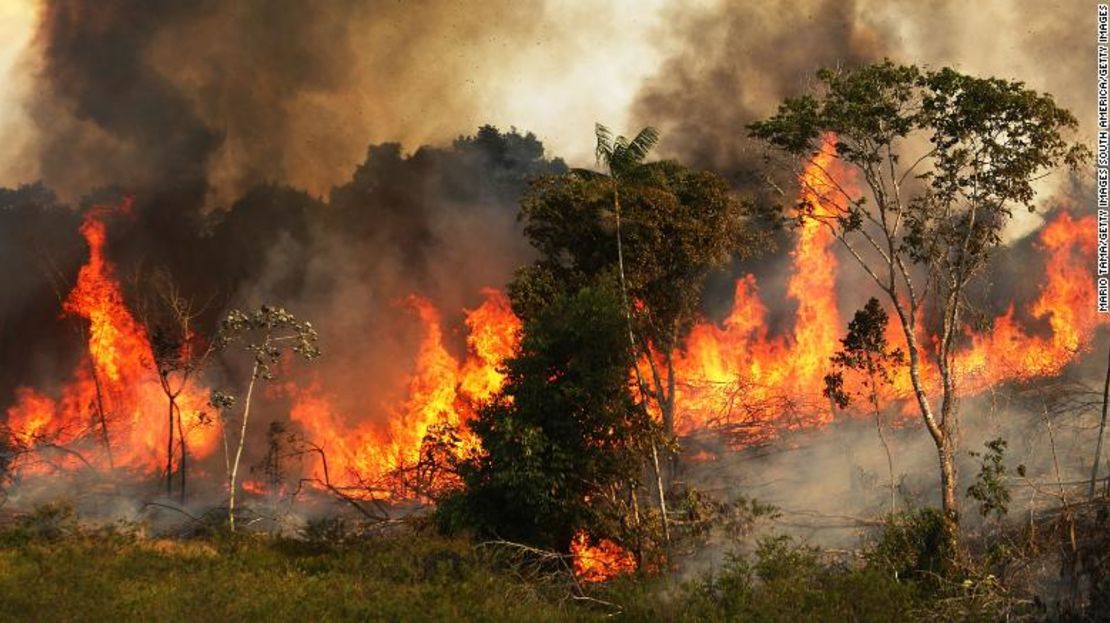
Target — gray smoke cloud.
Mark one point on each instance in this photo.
(238, 124)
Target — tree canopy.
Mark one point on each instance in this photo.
(943, 159)
(563, 435)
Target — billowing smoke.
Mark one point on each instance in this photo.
(231, 95)
(241, 129)
(732, 63)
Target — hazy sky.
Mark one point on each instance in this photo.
(17, 22)
(294, 91)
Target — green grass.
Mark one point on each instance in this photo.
(113, 577)
(52, 571)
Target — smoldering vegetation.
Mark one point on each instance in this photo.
(241, 130)
(439, 222)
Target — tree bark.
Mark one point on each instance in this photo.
(662, 497)
(239, 450)
(169, 449)
(632, 344)
(950, 502)
(938, 431)
(183, 452)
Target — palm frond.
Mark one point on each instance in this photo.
(639, 147)
(620, 154)
(604, 150)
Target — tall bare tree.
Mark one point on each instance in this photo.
(179, 351)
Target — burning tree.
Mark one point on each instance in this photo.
(178, 352)
(266, 334)
(945, 158)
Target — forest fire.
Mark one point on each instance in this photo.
(106, 409)
(739, 357)
(732, 376)
(737, 377)
(352, 308)
(442, 392)
(599, 561)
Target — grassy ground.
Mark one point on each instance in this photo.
(51, 570)
(113, 577)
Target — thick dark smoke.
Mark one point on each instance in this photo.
(440, 223)
(215, 115)
(220, 97)
(241, 129)
(39, 246)
(734, 65)
(734, 62)
(114, 119)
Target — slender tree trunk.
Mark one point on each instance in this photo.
(889, 458)
(634, 505)
(169, 450)
(1101, 430)
(940, 432)
(662, 497)
(947, 453)
(632, 344)
(950, 501)
(239, 450)
(183, 451)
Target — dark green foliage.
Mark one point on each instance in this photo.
(563, 435)
(864, 350)
(396, 198)
(783, 581)
(677, 225)
(914, 545)
(989, 488)
(511, 158)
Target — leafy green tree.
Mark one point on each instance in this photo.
(944, 158)
(659, 228)
(565, 435)
(865, 351)
(265, 334)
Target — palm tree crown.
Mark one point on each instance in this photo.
(621, 155)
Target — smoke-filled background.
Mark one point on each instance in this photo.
(333, 157)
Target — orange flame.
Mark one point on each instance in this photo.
(116, 382)
(601, 561)
(442, 391)
(736, 377)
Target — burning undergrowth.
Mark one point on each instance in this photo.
(365, 415)
(400, 267)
